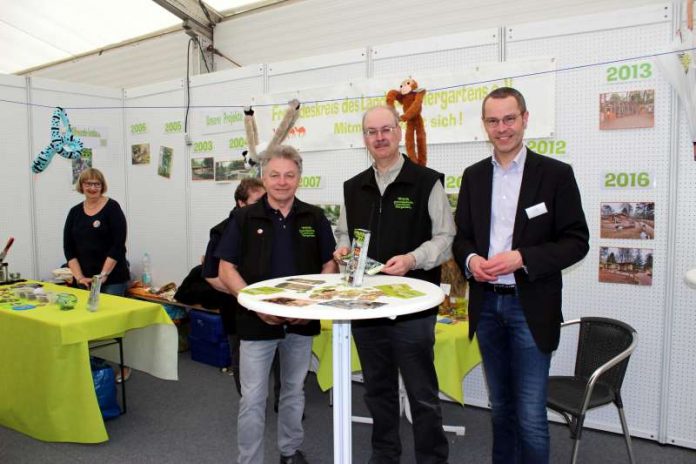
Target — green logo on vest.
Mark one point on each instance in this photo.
(403, 203)
(307, 232)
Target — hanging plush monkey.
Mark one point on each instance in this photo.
(256, 147)
(411, 99)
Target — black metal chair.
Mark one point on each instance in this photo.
(106, 342)
(604, 348)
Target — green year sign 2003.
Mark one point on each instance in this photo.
(204, 146)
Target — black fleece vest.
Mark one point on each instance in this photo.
(399, 221)
(255, 264)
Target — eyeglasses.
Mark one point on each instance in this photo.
(383, 131)
(508, 121)
(92, 184)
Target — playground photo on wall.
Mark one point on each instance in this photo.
(628, 220)
(627, 110)
(626, 265)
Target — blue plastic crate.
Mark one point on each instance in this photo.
(207, 326)
(214, 353)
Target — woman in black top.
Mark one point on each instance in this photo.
(94, 237)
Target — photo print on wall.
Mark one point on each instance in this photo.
(140, 153)
(627, 220)
(627, 110)
(632, 266)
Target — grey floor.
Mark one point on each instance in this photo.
(193, 420)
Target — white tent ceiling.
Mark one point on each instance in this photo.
(37, 32)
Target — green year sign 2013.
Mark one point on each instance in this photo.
(612, 180)
(629, 72)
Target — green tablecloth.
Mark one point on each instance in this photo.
(46, 386)
(455, 356)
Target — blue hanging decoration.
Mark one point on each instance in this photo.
(66, 145)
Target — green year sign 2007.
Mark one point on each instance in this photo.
(310, 182)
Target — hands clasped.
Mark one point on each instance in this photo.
(488, 270)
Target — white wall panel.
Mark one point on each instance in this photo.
(157, 213)
(681, 352)
(53, 190)
(16, 186)
(210, 201)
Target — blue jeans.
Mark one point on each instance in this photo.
(256, 357)
(114, 289)
(517, 374)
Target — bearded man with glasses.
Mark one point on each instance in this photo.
(405, 208)
(519, 224)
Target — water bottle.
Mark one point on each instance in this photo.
(147, 278)
(95, 288)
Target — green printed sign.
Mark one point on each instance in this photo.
(307, 232)
(627, 180)
(203, 146)
(548, 146)
(403, 203)
(629, 72)
(310, 182)
(173, 127)
(138, 128)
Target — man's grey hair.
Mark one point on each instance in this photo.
(389, 108)
(283, 152)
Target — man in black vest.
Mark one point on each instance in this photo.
(406, 210)
(277, 236)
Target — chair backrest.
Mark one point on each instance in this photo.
(599, 340)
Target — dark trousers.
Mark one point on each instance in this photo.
(387, 347)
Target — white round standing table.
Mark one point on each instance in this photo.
(342, 410)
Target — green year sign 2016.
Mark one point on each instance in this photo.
(627, 180)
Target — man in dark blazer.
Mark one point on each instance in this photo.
(519, 223)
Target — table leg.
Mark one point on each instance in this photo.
(342, 409)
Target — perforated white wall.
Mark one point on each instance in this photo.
(157, 206)
(580, 78)
(16, 187)
(681, 389)
(211, 202)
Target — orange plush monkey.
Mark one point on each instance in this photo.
(411, 99)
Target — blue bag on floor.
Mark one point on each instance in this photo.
(105, 387)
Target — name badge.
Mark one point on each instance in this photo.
(536, 210)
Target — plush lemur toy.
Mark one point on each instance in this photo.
(256, 147)
(411, 99)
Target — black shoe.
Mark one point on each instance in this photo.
(297, 458)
